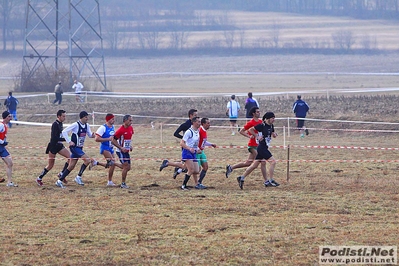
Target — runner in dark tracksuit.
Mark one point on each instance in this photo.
(301, 108)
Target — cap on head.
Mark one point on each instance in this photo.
(109, 117)
(83, 114)
(5, 114)
(268, 115)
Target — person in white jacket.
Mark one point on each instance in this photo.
(233, 108)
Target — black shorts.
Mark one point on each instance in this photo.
(300, 122)
(54, 149)
(263, 154)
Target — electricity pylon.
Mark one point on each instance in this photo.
(62, 42)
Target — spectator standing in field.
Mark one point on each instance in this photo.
(201, 156)
(55, 146)
(58, 93)
(249, 104)
(233, 108)
(78, 87)
(264, 155)
(5, 155)
(189, 143)
(105, 135)
(180, 167)
(11, 103)
(301, 108)
(79, 131)
(252, 142)
(123, 142)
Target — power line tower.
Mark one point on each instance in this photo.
(62, 42)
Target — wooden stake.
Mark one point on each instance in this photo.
(288, 163)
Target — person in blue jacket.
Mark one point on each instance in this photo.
(11, 103)
(301, 108)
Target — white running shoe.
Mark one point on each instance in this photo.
(11, 184)
(59, 183)
(111, 184)
(79, 181)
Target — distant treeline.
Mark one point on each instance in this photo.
(171, 25)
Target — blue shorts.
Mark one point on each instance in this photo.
(3, 152)
(187, 155)
(76, 152)
(124, 157)
(110, 149)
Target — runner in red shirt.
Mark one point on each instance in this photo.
(123, 143)
(252, 143)
(201, 156)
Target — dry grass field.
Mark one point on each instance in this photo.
(335, 196)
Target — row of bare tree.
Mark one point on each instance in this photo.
(155, 24)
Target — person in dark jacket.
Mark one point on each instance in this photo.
(301, 108)
(11, 103)
(249, 104)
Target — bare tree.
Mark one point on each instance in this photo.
(178, 36)
(241, 35)
(9, 9)
(275, 34)
(367, 42)
(229, 38)
(343, 39)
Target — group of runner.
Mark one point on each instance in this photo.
(259, 131)
(193, 142)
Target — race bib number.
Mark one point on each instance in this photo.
(127, 143)
(268, 140)
(81, 141)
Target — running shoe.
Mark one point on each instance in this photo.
(200, 186)
(39, 182)
(2, 180)
(11, 184)
(92, 164)
(123, 185)
(79, 181)
(59, 183)
(274, 183)
(111, 184)
(184, 187)
(240, 182)
(229, 170)
(163, 165)
(176, 172)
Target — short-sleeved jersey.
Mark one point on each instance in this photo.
(79, 133)
(3, 131)
(191, 137)
(105, 131)
(233, 106)
(203, 136)
(253, 142)
(124, 136)
(267, 131)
